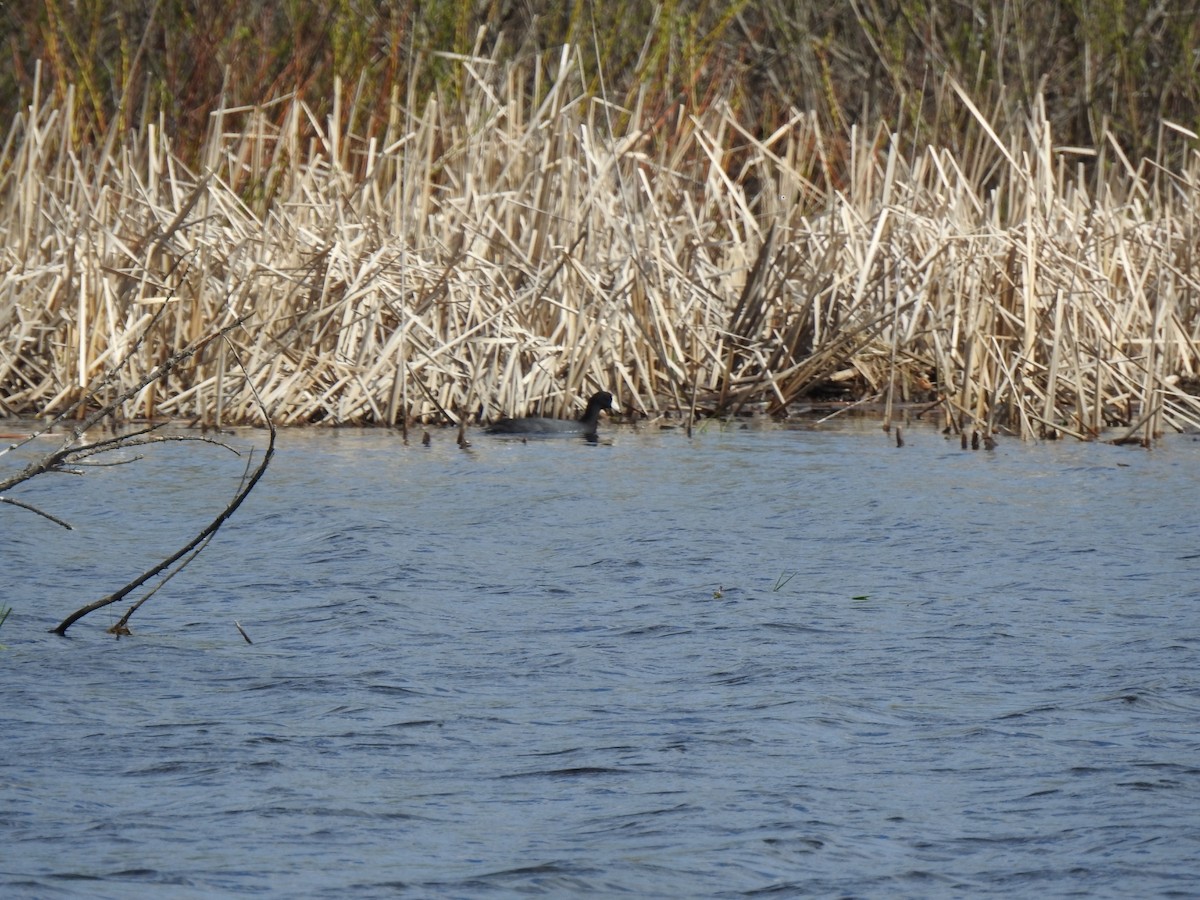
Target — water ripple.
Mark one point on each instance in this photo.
(784, 663)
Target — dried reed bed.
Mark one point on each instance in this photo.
(495, 254)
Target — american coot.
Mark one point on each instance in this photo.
(584, 425)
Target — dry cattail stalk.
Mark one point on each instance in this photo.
(488, 253)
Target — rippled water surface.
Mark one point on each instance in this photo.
(797, 662)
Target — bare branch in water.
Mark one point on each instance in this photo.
(41, 512)
(190, 550)
(187, 548)
(58, 459)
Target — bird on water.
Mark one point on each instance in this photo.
(585, 425)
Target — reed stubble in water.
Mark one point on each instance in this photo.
(492, 252)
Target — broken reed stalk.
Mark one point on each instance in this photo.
(504, 251)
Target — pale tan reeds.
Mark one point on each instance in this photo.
(501, 253)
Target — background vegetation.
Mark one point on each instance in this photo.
(427, 206)
(1102, 66)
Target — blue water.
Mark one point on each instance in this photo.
(786, 662)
